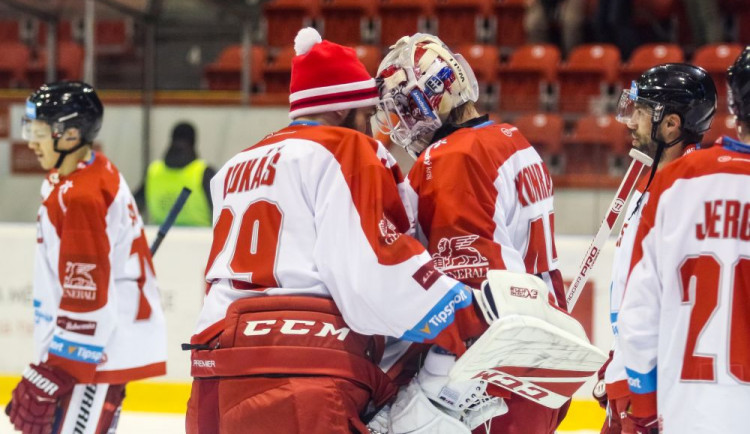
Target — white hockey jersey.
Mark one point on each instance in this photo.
(96, 304)
(683, 323)
(484, 201)
(315, 210)
(615, 377)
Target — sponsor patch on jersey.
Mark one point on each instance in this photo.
(441, 315)
(75, 351)
(457, 258)
(79, 283)
(388, 231)
(427, 275)
(641, 383)
(76, 326)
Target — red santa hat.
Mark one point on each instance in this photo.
(327, 77)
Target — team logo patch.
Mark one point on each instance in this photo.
(434, 85)
(427, 275)
(457, 258)
(78, 282)
(388, 230)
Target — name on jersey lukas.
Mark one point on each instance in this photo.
(533, 184)
(251, 174)
(725, 219)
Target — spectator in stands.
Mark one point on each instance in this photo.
(613, 23)
(540, 15)
(705, 21)
(181, 167)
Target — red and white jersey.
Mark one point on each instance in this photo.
(315, 210)
(484, 201)
(97, 307)
(615, 376)
(683, 323)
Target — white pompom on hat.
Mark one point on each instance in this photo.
(327, 77)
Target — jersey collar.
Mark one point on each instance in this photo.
(305, 123)
(735, 145)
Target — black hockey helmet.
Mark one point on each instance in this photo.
(674, 88)
(67, 104)
(738, 82)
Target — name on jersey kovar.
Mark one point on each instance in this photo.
(253, 173)
(725, 219)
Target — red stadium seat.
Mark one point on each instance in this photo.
(530, 70)
(597, 147)
(461, 21)
(346, 21)
(284, 18)
(64, 31)
(397, 18)
(278, 74)
(589, 71)
(484, 60)
(226, 72)
(69, 64)
(12, 63)
(509, 16)
(723, 125)
(370, 56)
(10, 31)
(545, 133)
(113, 37)
(647, 56)
(715, 59)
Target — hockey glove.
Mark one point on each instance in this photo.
(645, 425)
(37, 396)
(600, 388)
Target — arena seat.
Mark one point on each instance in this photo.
(647, 56)
(461, 21)
(225, 73)
(545, 132)
(590, 72)
(284, 18)
(508, 23)
(277, 75)
(598, 146)
(724, 124)
(69, 64)
(13, 63)
(113, 37)
(531, 69)
(715, 59)
(370, 56)
(347, 22)
(484, 60)
(396, 18)
(10, 31)
(65, 31)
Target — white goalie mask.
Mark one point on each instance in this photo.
(421, 81)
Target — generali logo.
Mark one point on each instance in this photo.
(517, 291)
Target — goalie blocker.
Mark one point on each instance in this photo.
(531, 349)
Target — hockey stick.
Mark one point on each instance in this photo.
(169, 221)
(640, 160)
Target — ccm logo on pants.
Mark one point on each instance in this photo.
(295, 327)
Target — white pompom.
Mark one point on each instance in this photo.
(305, 40)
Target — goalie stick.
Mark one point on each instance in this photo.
(169, 221)
(640, 160)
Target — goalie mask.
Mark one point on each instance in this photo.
(421, 81)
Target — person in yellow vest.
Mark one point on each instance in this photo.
(181, 167)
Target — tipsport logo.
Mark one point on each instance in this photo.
(441, 316)
(76, 351)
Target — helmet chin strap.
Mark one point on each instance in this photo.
(63, 153)
(661, 145)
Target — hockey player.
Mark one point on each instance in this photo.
(683, 321)
(97, 313)
(309, 265)
(666, 110)
(482, 194)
